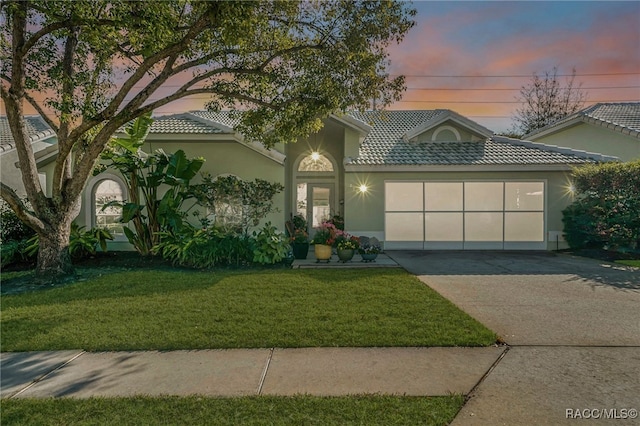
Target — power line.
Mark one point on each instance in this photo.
(514, 89)
(501, 102)
(511, 75)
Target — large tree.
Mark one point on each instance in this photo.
(88, 67)
(546, 99)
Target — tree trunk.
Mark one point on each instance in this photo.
(54, 259)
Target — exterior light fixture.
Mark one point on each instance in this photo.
(363, 188)
(315, 155)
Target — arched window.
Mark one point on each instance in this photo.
(102, 190)
(446, 134)
(108, 216)
(315, 162)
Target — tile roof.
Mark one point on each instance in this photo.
(385, 145)
(623, 117)
(226, 118)
(37, 130)
(185, 123)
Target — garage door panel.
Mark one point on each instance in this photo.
(443, 226)
(527, 226)
(483, 196)
(403, 196)
(404, 226)
(486, 226)
(443, 196)
(524, 196)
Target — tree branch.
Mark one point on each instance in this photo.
(16, 204)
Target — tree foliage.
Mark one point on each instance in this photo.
(545, 100)
(605, 213)
(88, 67)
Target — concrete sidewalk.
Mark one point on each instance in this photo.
(237, 372)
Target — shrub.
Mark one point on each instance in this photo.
(14, 236)
(605, 213)
(205, 248)
(81, 243)
(271, 246)
(12, 228)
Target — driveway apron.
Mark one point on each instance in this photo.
(572, 324)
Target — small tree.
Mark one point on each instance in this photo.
(545, 100)
(251, 201)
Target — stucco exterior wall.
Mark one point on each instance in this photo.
(222, 157)
(365, 211)
(593, 138)
(231, 158)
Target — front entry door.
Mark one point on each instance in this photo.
(314, 201)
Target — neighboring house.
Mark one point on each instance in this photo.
(413, 179)
(44, 145)
(608, 128)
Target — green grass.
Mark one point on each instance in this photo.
(635, 263)
(170, 310)
(307, 410)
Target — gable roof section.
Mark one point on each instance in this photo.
(447, 115)
(37, 130)
(623, 117)
(208, 125)
(386, 146)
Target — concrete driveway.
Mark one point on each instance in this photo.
(572, 325)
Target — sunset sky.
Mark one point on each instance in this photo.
(474, 56)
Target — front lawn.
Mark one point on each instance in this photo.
(635, 263)
(168, 310)
(299, 410)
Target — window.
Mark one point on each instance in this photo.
(107, 191)
(315, 162)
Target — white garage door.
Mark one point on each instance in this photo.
(483, 215)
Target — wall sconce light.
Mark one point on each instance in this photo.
(363, 188)
(315, 155)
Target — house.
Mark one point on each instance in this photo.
(610, 128)
(428, 179)
(44, 145)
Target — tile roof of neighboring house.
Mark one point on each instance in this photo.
(386, 145)
(623, 117)
(37, 129)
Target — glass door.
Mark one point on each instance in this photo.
(314, 202)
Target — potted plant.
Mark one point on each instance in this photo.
(370, 252)
(323, 240)
(300, 244)
(347, 245)
(298, 236)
